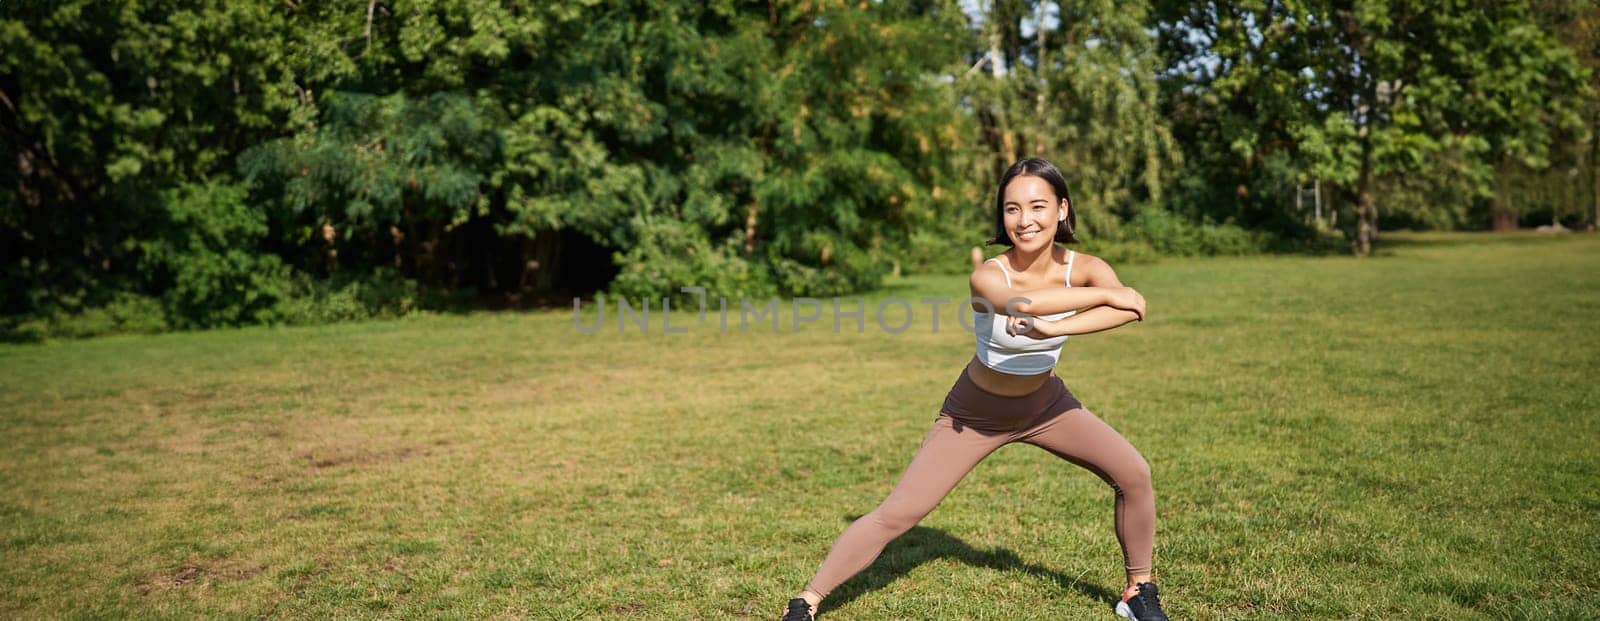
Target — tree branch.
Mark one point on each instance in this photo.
(9, 106)
(975, 66)
(371, 6)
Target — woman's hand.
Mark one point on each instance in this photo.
(1032, 327)
(1126, 299)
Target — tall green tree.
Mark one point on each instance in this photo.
(1420, 80)
(103, 107)
(1237, 87)
(1572, 184)
(1409, 104)
(1075, 82)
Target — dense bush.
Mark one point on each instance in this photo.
(126, 313)
(204, 258)
(347, 296)
(1168, 234)
(672, 255)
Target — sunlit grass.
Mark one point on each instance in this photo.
(1330, 437)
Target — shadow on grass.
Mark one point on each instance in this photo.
(922, 544)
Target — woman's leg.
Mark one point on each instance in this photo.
(947, 453)
(1080, 437)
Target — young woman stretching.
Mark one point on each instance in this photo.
(1008, 392)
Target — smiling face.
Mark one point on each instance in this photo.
(1032, 212)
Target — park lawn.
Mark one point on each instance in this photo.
(1330, 438)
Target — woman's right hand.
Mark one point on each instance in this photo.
(1126, 299)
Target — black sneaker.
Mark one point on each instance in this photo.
(799, 610)
(1141, 603)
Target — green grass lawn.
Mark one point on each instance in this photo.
(1330, 438)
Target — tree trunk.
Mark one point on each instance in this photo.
(1040, 68)
(485, 245)
(541, 264)
(1241, 191)
(1008, 139)
(1504, 218)
(1501, 210)
(411, 254)
(750, 227)
(1366, 204)
(1594, 173)
(1367, 220)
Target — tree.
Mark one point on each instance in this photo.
(1237, 87)
(105, 106)
(1576, 155)
(1409, 97)
(1421, 80)
(1074, 82)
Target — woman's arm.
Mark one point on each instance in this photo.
(1096, 319)
(990, 284)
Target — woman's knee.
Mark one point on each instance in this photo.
(1133, 477)
(895, 519)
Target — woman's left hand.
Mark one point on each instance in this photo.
(1031, 327)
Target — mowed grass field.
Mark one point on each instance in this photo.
(1411, 435)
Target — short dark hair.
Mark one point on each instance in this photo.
(1034, 167)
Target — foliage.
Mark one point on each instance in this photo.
(241, 163)
(1075, 83)
(1420, 108)
(105, 107)
(1171, 235)
(203, 257)
(348, 296)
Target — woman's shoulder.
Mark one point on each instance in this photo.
(1080, 257)
(983, 268)
(1089, 268)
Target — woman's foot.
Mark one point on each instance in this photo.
(1141, 603)
(799, 610)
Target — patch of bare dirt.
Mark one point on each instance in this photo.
(354, 456)
(196, 572)
(627, 608)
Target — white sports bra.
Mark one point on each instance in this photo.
(1018, 355)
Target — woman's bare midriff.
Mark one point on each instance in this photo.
(1004, 384)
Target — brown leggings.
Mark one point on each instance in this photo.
(973, 423)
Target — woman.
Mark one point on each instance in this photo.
(1026, 301)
